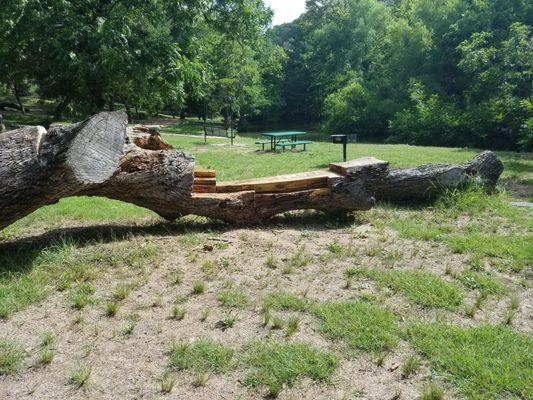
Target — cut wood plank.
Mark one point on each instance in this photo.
(358, 165)
(205, 181)
(205, 173)
(203, 189)
(281, 183)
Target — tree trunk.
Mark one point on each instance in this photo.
(103, 157)
(428, 181)
(39, 167)
(16, 92)
(2, 126)
(128, 110)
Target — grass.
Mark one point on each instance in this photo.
(29, 274)
(516, 250)
(82, 296)
(293, 325)
(112, 307)
(202, 356)
(410, 366)
(198, 287)
(228, 321)
(485, 362)
(178, 313)
(275, 364)
(81, 375)
(122, 291)
(432, 392)
(422, 288)
(490, 230)
(11, 357)
(233, 298)
(360, 325)
(281, 300)
(485, 282)
(167, 382)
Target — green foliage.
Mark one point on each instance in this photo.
(425, 289)
(275, 364)
(419, 72)
(201, 356)
(485, 362)
(360, 325)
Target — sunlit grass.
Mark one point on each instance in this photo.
(359, 325)
(423, 288)
(485, 362)
(276, 364)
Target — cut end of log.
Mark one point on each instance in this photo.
(97, 147)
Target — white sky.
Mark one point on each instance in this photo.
(286, 10)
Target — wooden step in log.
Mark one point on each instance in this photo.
(205, 181)
(204, 188)
(282, 183)
(205, 173)
(358, 166)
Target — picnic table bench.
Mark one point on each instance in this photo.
(294, 144)
(283, 140)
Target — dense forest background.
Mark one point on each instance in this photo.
(447, 72)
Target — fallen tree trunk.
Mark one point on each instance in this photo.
(428, 181)
(102, 157)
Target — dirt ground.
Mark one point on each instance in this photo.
(129, 366)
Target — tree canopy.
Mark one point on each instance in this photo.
(450, 72)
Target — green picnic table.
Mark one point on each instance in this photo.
(283, 139)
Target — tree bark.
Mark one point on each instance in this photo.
(425, 182)
(103, 157)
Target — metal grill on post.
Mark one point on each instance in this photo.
(341, 139)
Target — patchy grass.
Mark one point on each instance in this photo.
(422, 288)
(410, 366)
(167, 382)
(514, 251)
(199, 287)
(485, 282)
(281, 300)
(82, 296)
(11, 356)
(276, 364)
(298, 260)
(28, 275)
(81, 375)
(360, 325)
(431, 391)
(202, 356)
(485, 362)
(233, 298)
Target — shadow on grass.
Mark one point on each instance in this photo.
(17, 256)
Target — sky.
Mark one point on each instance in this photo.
(286, 10)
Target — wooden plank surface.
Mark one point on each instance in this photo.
(205, 173)
(205, 181)
(281, 183)
(350, 167)
(203, 189)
